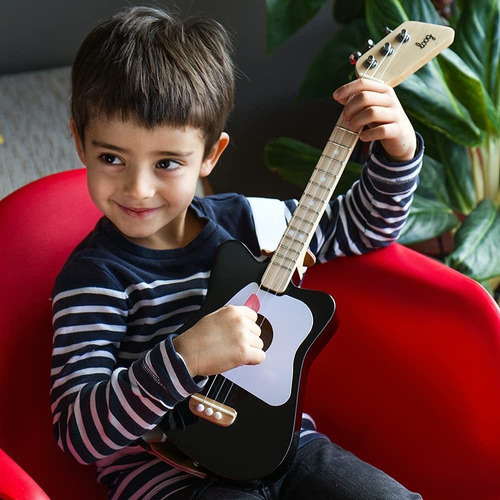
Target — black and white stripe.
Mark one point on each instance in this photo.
(116, 307)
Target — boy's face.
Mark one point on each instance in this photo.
(144, 180)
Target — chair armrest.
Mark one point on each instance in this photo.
(15, 483)
(410, 380)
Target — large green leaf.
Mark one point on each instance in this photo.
(294, 161)
(457, 168)
(285, 17)
(331, 69)
(477, 243)
(425, 95)
(477, 42)
(432, 181)
(430, 214)
(469, 89)
(427, 219)
(391, 13)
(428, 99)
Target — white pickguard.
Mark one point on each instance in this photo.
(291, 321)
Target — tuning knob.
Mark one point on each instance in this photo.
(370, 44)
(370, 63)
(403, 36)
(387, 49)
(353, 58)
(387, 30)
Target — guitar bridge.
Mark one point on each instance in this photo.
(211, 410)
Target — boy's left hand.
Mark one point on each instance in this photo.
(374, 105)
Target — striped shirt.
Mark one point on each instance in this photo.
(116, 305)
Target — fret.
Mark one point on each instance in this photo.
(310, 208)
(333, 151)
(325, 171)
(315, 198)
(317, 184)
(324, 178)
(274, 263)
(302, 220)
(347, 130)
(288, 249)
(338, 144)
(315, 212)
(290, 237)
(285, 257)
(331, 159)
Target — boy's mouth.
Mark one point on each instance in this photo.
(137, 211)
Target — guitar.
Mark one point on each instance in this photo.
(243, 425)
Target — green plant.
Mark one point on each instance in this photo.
(454, 102)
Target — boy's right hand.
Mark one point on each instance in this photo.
(224, 339)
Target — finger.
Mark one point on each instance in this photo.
(254, 328)
(379, 132)
(366, 99)
(372, 116)
(342, 94)
(246, 312)
(256, 356)
(256, 342)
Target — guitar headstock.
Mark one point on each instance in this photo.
(404, 51)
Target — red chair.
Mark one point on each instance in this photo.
(410, 382)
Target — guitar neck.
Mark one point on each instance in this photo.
(297, 237)
(392, 58)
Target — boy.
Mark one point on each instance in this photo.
(150, 98)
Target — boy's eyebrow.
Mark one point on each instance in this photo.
(122, 150)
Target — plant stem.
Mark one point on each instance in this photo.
(477, 172)
(485, 162)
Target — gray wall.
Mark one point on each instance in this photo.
(37, 34)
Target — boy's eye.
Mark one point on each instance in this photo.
(168, 165)
(110, 159)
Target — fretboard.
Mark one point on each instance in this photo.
(295, 240)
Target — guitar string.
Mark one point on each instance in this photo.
(299, 229)
(337, 151)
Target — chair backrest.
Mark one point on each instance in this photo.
(411, 380)
(40, 224)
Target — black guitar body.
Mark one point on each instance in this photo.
(262, 440)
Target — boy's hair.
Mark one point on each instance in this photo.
(147, 66)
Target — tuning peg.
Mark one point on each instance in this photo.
(387, 30)
(387, 49)
(370, 63)
(370, 44)
(353, 58)
(403, 36)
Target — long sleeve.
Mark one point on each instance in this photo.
(100, 406)
(372, 213)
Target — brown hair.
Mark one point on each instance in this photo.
(146, 65)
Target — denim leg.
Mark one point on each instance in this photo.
(323, 470)
(213, 489)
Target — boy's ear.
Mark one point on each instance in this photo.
(78, 141)
(213, 157)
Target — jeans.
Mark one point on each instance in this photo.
(321, 470)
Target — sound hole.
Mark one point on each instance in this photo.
(266, 331)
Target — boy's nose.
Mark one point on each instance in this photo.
(140, 185)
